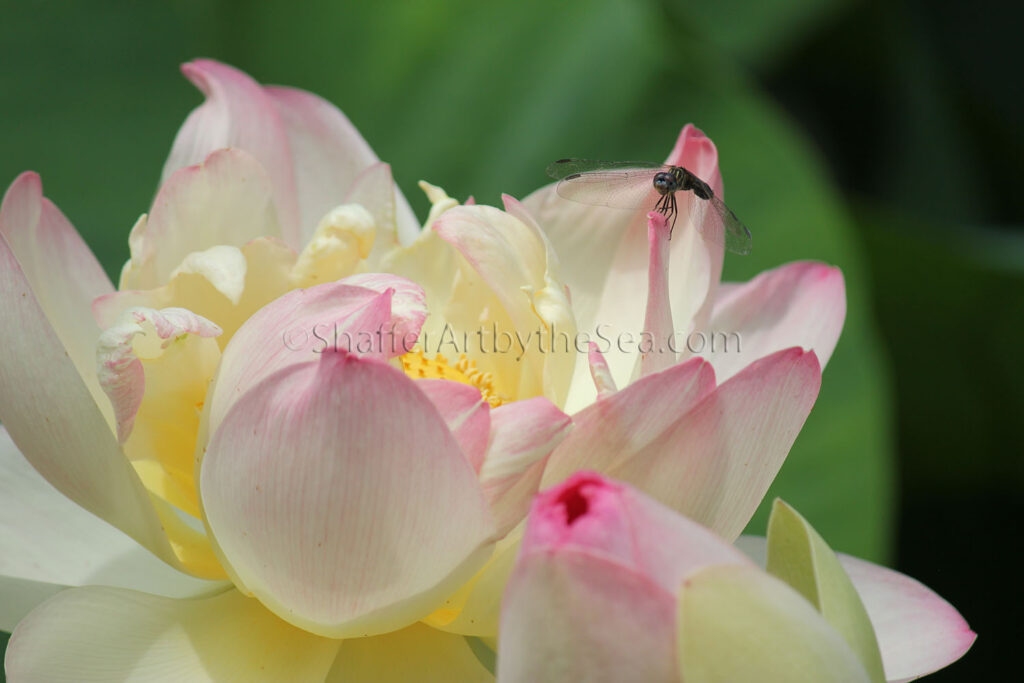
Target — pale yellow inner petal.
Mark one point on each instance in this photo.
(342, 240)
(475, 609)
(161, 445)
(167, 421)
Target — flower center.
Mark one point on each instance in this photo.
(418, 366)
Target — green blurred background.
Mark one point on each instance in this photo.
(880, 136)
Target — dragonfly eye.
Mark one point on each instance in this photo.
(663, 183)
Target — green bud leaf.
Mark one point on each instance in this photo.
(798, 555)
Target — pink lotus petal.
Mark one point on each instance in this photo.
(918, 632)
(372, 519)
(603, 381)
(696, 262)
(62, 273)
(120, 370)
(600, 563)
(465, 412)
(328, 155)
(96, 635)
(798, 304)
(299, 326)
(576, 617)
(408, 304)
(604, 257)
(523, 434)
(57, 424)
(591, 513)
(239, 114)
(615, 428)
(658, 317)
(716, 464)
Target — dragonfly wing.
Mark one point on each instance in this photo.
(628, 189)
(719, 225)
(566, 167)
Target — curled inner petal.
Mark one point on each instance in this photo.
(155, 366)
(343, 238)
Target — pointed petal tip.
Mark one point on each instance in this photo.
(817, 273)
(201, 66)
(196, 71)
(802, 360)
(691, 130)
(509, 202)
(919, 632)
(656, 220)
(812, 359)
(699, 362)
(29, 179)
(793, 354)
(694, 135)
(336, 358)
(696, 152)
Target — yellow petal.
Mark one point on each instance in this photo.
(211, 291)
(99, 634)
(416, 653)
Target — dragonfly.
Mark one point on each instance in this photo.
(634, 184)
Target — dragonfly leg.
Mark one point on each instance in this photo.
(662, 205)
(673, 213)
(668, 208)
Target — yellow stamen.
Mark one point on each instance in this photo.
(464, 370)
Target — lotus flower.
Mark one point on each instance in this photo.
(276, 404)
(612, 586)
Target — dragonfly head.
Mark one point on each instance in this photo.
(665, 183)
